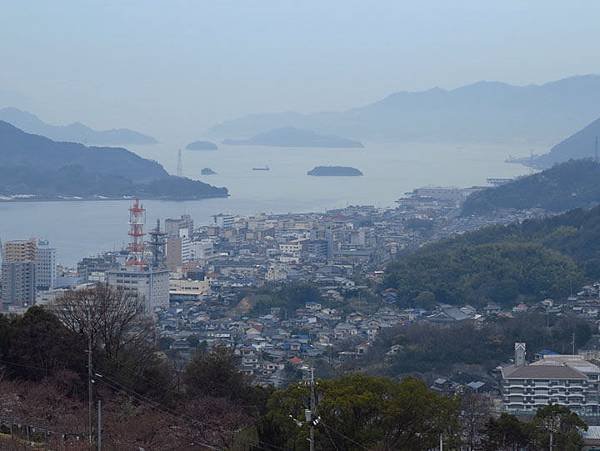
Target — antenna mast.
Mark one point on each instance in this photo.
(137, 217)
(157, 244)
(179, 164)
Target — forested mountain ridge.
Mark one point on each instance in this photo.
(504, 264)
(582, 144)
(18, 148)
(565, 186)
(36, 166)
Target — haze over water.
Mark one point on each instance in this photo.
(79, 229)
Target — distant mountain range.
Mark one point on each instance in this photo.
(33, 165)
(75, 132)
(295, 137)
(479, 112)
(565, 186)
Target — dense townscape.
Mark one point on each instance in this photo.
(299, 226)
(283, 290)
(291, 297)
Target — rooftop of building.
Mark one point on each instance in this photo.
(547, 370)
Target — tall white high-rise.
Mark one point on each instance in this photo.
(45, 266)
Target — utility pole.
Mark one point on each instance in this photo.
(310, 414)
(312, 409)
(90, 400)
(99, 430)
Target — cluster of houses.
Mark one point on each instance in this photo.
(272, 347)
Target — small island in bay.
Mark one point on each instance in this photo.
(334, 171)
(201, 145)
(207, 171)
(295, 137)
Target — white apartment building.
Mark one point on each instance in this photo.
(567, 380)
(186, 246)
(45, 266)
(224, 221)
(150, 285)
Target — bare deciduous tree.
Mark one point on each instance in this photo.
(113, 319)
(476, 410)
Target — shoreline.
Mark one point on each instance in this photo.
(112, 199)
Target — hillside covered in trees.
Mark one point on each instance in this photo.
(569, 185)
(39, 168)
(504, 264)
(582, 144)
(428, 350)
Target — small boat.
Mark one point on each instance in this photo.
(261, 168)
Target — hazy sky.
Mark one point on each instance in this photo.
(172, 68)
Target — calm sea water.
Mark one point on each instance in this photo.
(79, 229)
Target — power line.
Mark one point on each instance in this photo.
(179, 416)
(331, 439)
(345, 436)
(156, 405)
(24, 366)
(119, 387)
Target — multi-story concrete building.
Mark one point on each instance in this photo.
(45, 267)
(93, 269)
(567, 380)
(151, 285)
(291, 249)
(18, 274)
(201, 249)
(179, 250)
(185, 289)
(223, 221)
(18, 284)
(173, 226)
(19, 251)
(315, 249)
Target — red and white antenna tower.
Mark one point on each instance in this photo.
(137, 218)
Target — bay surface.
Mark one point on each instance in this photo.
(79, 229)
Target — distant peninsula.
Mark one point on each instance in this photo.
(207, 171)
(295, 137)
(582, 144)
(565, 186)
(33, 167)
(201, 145)
(334, 171)
(75, 132)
